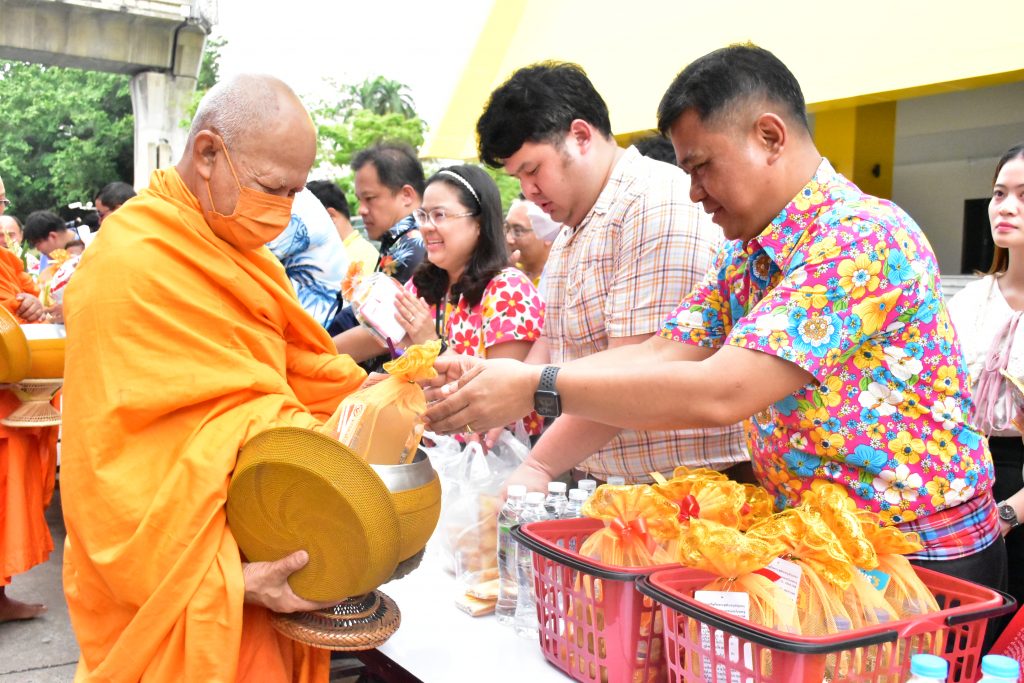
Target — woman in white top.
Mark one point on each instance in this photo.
(986, 314)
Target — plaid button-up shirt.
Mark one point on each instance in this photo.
(620, 273)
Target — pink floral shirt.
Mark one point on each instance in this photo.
(846, 286)
(511, 310)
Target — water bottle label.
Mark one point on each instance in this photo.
(878, 579)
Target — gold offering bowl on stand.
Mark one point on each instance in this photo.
(32, 367)
(362, 525)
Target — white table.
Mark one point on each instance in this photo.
(438, 643)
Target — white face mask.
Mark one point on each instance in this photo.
(543, 227)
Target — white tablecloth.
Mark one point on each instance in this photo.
(438, 643)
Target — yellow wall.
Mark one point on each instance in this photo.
(843, 55)
(859, 141)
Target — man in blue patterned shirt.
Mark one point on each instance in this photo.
(389, 185)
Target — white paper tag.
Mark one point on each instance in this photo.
(788, 575)
(738, 605)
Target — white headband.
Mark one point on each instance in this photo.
(465, 182)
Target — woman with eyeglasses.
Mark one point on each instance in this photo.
(464, 293)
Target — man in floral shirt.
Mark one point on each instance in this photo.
(821, 324)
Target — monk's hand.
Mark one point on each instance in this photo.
(490, 394)
(30, 309)
(266, 583)
(55, 313)
(414, 316)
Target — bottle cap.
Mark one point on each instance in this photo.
(1000, 666)
(556, 487)
(616, 480)
(587, 485)
(930, 666)
(516, 491)
(534, 498)
(578, 494)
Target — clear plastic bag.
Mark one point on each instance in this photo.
(471, 481)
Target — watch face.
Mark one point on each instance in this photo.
(1007, 513)
(547, 403)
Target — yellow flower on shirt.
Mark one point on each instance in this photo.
(859, 275)
(906, 448)
(873, 310)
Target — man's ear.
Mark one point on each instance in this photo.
(204, 151)
(771, 134)
(409, 195)
(582, 134)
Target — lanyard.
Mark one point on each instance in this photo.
(441, 322)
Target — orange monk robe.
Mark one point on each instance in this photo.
(28, 460)
(180, 349)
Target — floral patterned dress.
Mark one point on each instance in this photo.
(511, 310)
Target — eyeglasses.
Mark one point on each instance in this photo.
(437, 217)
(517, 231)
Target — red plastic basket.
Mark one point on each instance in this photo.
(593, 624)
(707, 645)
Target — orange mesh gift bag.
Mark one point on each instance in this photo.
(382, 422)
(638, 522)
(736, 558)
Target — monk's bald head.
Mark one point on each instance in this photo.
(250, 107)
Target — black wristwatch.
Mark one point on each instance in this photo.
(546, 400)
(1006, 513)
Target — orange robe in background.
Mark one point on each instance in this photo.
(180, 349)
(28, 460)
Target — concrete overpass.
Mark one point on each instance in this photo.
(159, 43)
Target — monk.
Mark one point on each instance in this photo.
(185, 340)
(28, 459)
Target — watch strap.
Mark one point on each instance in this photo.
(547, 378)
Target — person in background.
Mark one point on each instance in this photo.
(822, 325)
(28, 460)
(75, 247)
(530, 233)
(658, 148)
(185, 340)
(111, 197)
(312, 255)
(46, 232)
(986, 314)
(389, 186)
(633, 244)
(464, 293)
(357, 247)
(11, 230)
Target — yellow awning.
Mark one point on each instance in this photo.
(843, 53)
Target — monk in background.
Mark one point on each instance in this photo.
(28, 459)
(185, 340)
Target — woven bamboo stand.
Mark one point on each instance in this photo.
(35, 409)
(363, 622)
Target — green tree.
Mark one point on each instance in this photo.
(381, 96)
(64, 133)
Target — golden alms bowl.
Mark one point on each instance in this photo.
(46, 345)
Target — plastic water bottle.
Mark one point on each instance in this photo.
(928, 669)
(588, 485)
(616, 480)
(556, 501)
(507, 578)
(999, 669)
(577, 497)
(526, 605)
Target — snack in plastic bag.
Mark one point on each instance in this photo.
(382, 422)
(471, 482)
(638, 522)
